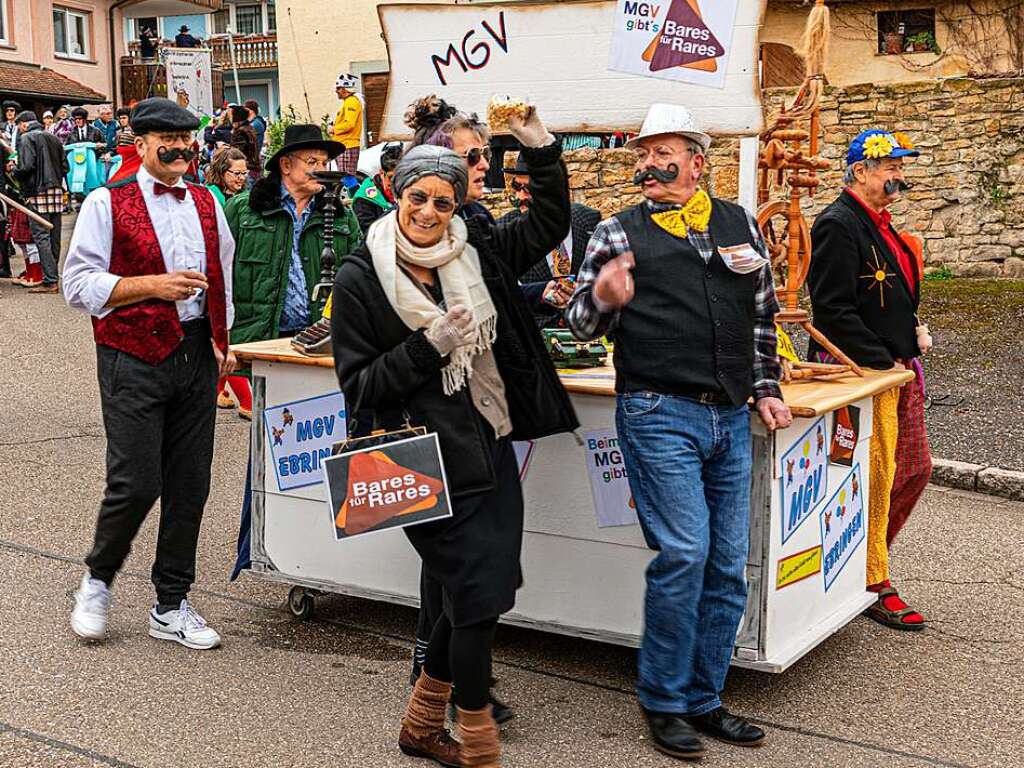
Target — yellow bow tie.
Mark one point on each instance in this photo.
(694, 215)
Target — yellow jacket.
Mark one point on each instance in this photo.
(348, 123)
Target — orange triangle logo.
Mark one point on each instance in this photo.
(379, 489)
(684, 41)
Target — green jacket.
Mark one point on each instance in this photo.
(263, 248)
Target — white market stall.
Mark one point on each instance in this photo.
(584, 576)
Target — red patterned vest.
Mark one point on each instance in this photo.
(150, 329)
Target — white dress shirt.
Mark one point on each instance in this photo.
(88, 282)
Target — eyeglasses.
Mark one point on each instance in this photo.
(520, 187)
(474, 155)
(311, 163)
(441, 204)
(237, 174)
(170, 138)
(642, 153)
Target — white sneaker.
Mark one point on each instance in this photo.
(183, 626)
(92, 601)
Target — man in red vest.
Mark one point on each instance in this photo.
(150, 261)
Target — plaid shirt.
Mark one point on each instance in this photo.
(51, 201)
(587, 321)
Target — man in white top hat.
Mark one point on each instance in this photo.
(348, 123)
(683, 283)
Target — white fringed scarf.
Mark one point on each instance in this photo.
(458, 266)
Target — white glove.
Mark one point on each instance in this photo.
(453, 329)
(924, 339)
(531, 131)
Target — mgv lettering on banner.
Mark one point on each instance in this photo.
(843, 526)
(301, 434)
(803, 474)
(472, 55)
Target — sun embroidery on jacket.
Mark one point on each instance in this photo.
(880, 277)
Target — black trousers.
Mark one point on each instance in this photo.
(159, 422)
(48, 243)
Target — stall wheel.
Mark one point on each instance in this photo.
(301, 603)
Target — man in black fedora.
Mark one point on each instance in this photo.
(279, 235)
(548, 285)
(184, 39)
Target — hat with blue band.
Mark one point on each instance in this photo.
(876, 144)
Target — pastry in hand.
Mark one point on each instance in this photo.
(501, 108)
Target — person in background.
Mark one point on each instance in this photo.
(85, 133)
(48, 121)
(374, 197)
(150, 261)
(63, 124)
(147, 43)
(225, 177)
(695, 339)
(279, 231)
(9, 131)
(347, 129)
(185, 40)
(107, 127)
(42, 166)
(865, 288)
(123, 116)
(471, 366)
(256, 122)
(243, 138)
(548, 285)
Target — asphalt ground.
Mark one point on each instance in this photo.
(330, 692)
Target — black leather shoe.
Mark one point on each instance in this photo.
(673, 736)
(722, 725)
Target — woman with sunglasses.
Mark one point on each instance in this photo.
(434, 327)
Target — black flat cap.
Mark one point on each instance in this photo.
(80, 112)
(9, 104)
(28, 116)
(159, 114)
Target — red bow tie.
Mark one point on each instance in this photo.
(163, 189)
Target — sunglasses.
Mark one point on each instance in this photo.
(441, 204)
(474, 155)
(519, 187)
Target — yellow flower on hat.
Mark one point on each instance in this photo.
(878, 146)
(903, 140)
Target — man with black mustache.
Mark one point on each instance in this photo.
(865, 286)
(683, 285)
(150, 261)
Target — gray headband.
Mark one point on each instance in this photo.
(422, 161)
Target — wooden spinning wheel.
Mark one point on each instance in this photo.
(773, 220)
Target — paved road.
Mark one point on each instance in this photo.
(330, 692)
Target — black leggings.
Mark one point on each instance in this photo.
(462, 655)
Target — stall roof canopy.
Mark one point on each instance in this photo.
(34, 80)
(136, 9)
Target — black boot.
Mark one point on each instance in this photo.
(673, 736)
(500, 711)
(723, 725)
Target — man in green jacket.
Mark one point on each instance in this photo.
(279, 235)
(278, 229)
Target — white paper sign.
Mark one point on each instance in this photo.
(300, 435)
(557, 55)
(843, 526)
(609, 481)
(684, 40)
(803, 474)
(189, 78)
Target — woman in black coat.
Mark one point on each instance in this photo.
(431, 324)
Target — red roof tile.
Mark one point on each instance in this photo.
(34, 80)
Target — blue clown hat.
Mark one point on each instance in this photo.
(876, 144)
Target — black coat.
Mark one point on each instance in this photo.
(385, 369)
(536, 278)
(92, 135)
(872, 321)
(42, 162)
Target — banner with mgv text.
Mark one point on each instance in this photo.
(387, 486)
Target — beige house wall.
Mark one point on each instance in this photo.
(319, 40)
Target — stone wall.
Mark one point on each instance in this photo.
(968, 196)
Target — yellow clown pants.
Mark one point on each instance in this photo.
(884, 432)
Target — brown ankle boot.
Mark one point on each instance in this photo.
(423, 733)
(479, 735)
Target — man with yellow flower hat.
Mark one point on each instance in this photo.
(865, 286)
(683, 284)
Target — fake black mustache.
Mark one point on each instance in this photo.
(656, 174)
(168, 156)
(895, 186)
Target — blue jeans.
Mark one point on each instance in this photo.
(689, 471)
